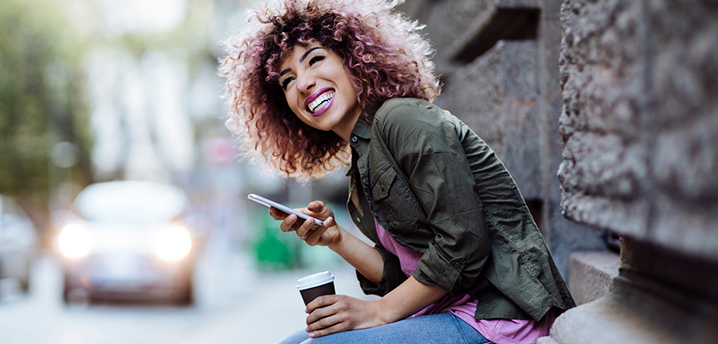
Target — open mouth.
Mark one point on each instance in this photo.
(323, 100)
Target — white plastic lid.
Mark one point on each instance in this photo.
(315, 280)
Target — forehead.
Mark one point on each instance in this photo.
(292, 55)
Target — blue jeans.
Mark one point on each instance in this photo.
(442, 328)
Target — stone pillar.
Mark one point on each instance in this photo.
(639, 129)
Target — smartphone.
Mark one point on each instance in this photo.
(269, 203)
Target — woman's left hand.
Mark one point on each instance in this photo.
(337, 313)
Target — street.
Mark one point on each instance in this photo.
(234, 304)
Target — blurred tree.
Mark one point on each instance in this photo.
(40, 105)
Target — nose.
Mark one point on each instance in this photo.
(305, 83)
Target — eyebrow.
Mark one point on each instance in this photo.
(301, 59)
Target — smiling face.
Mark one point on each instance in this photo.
(318, 89)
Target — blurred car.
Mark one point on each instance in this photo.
(18, 242)
(128, 240)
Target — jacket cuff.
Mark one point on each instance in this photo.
(435, 269)
(391, 278)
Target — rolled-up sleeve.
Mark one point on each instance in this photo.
(428, 149)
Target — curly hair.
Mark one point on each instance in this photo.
(382, 52)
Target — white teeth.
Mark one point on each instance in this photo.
(316, 104)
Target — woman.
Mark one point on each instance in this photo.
(457, 256)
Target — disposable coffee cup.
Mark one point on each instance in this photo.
(316, 285)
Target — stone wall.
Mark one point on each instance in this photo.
(640, 120)
(498, 60)
(639, 129)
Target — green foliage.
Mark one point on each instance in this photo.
(40, 102)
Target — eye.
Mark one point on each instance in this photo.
(316, 59)
(284, 83)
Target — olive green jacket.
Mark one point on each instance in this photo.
(436, 187)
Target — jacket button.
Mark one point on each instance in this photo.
(354, 139)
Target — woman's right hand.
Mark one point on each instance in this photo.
(308, 231)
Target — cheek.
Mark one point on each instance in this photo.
(348, 87)
(291, 101)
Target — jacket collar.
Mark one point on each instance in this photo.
(361, 134)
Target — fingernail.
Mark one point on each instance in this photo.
(312, 335)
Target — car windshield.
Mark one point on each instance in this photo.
(130, 202)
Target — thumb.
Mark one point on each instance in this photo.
(316, 206)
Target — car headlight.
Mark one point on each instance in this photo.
(173, 243)
(74, 241)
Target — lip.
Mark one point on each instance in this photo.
(315, 95)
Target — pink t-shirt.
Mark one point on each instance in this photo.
(499, 331)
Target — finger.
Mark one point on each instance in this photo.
(305, 228)
(317, 315)
(321, 301)
(325, 323)
(316, 206)
(289, 223)
(277, 214)
(316, 234)
(324, 317)
(338, 327)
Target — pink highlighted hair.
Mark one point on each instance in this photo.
(383, 53)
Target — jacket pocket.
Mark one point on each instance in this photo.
(396, 208)
(383, 185)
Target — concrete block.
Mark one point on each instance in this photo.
(497, 97)
(682, 71)
(550, 10)
(639, 125)
(451, 24)
(590, 274)
(600, 179)
(628, 315)
(685, 166)
(452, 21)
(593, 145)
(659, 296)
(565, 237)
(464, 29)
(416, 9)
(686, 159)
(603, 163)
(681, 60)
